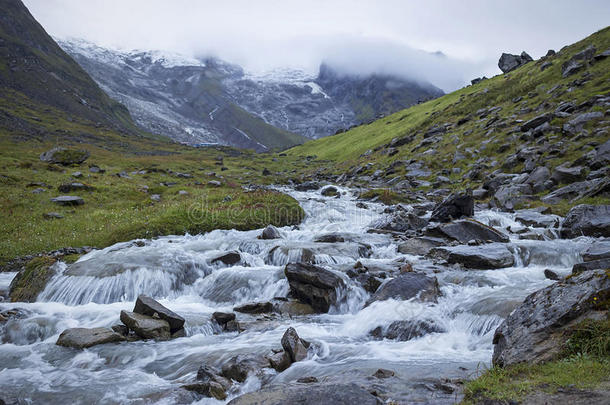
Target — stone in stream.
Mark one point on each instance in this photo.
(600, 264)
(32, 279)
(280, 361)
(600, 249)
(419, 246)
(406, 330)
(489, 256)
(330, 238)
(538, 329)
(407, 286)
(230, 258)
(68, 200)
(313, 285)
(466, 230)
(455, 206)
(238, 367)
(270, 232)
(536, 219)
(290, 307)
(209, 383)
(145, 305)
(383, 373)
(146, 326)
(81, 338)
(330, 191)
(400, 221)
(588, 220)
(307, 186)
(309, 394)
(222, 318)
(255, 308)
(294, 345)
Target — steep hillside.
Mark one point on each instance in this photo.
(532, 131)
(35, 73)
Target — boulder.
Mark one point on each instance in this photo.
(599, 249)
(400, 221)
(307, 186)
(510, 195)
(509, 62)
(407, 286)
(602, 156)
(68, 200)
(536, 219)
(32, 280)
(369, 282)
(489, 256)
(575, 191)
(536, 122)
(69, 187)
(230, 258)
(588, 220)
(383, 373)
(308, 394)
(419, 246)
(81, 338)
(270, 232)
(207, 389)
(146, 326)
(239, 367)
(538, 329)
(255, 308)
(145, 305)
(599, 264)
(280, 361)
(294, 346)
(455, 206)
(466, 230)
(551, 275)
(565, 174)
(222, 318)
(330, 191)
(290, 307)
(64, 156)
(330, 238)
(406, 330)
(313, 285)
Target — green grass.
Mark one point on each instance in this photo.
(386, 196)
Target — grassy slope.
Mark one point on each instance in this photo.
(343, 151)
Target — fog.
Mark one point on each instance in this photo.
(357, 36)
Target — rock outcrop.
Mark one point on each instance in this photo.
(455, 206)
(588, 220)
(509, 62)
(313, 285)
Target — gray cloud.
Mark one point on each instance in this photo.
(361, 36)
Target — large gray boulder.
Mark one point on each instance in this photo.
(400, 221)
(536, 331)
(239, 367)
(406, 330)
(466, 230)
(81, 338)
(294, 346)
(407, 286)
(536, 219)
(455, 206)
(575, 191)
(146, 326)
(588, 220)
(419, 246)
(483, 257)
(313, 285)
(145, 305)
(68, 200)
(309, 394)
(509, 62)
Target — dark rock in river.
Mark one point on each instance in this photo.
(255, 308)
(313, 285)
(229, 258)
(238, 367)
(146, 326)
(466, 230)
(310, 394)
(600, 249)
(307, 186)
(406, 330)
(148, 306)
(81, 338)
(489, 256)
(588, 220)
(407, 286)
(419, 246)
(294, 345)
(536, 331)
(455, 206)
(270, 232)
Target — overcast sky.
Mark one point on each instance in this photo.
(359, 35)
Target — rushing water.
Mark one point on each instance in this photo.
(176, 270)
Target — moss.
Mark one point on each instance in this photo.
(32, 280)
(70, 156)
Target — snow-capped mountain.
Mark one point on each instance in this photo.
(212, 101)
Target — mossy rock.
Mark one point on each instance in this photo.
(32, 280)
(64, 156)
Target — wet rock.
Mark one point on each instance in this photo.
(551, 275)
(536, 219)
(207, 389)
(290, 307)
(145, 305)
(599, 264)
(307, 380)
(31, 281)
(313, 285)
(270, 232)
(81, 338)
(383, 373)
(400, 221)
(455, 206)
(222, 318)
(230, 258)
(307, 186)
(330, 238)
(406, 330)
(489, 256)
(536, 330)
(369, 282)
(566, 174)
(419, 246)
(280, 361)
(310, 394)
(509, 62)
(575, 191)
(330, 191)
(599, 249)
(64, 156)
(238, 367)
(207, 373)
(294, 345)
(255, 308)
(120, 329)
(407, 286)
(146, 326)
(68, 200)
(588, 220)
(466, 230)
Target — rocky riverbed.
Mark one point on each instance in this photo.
(361, 303)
